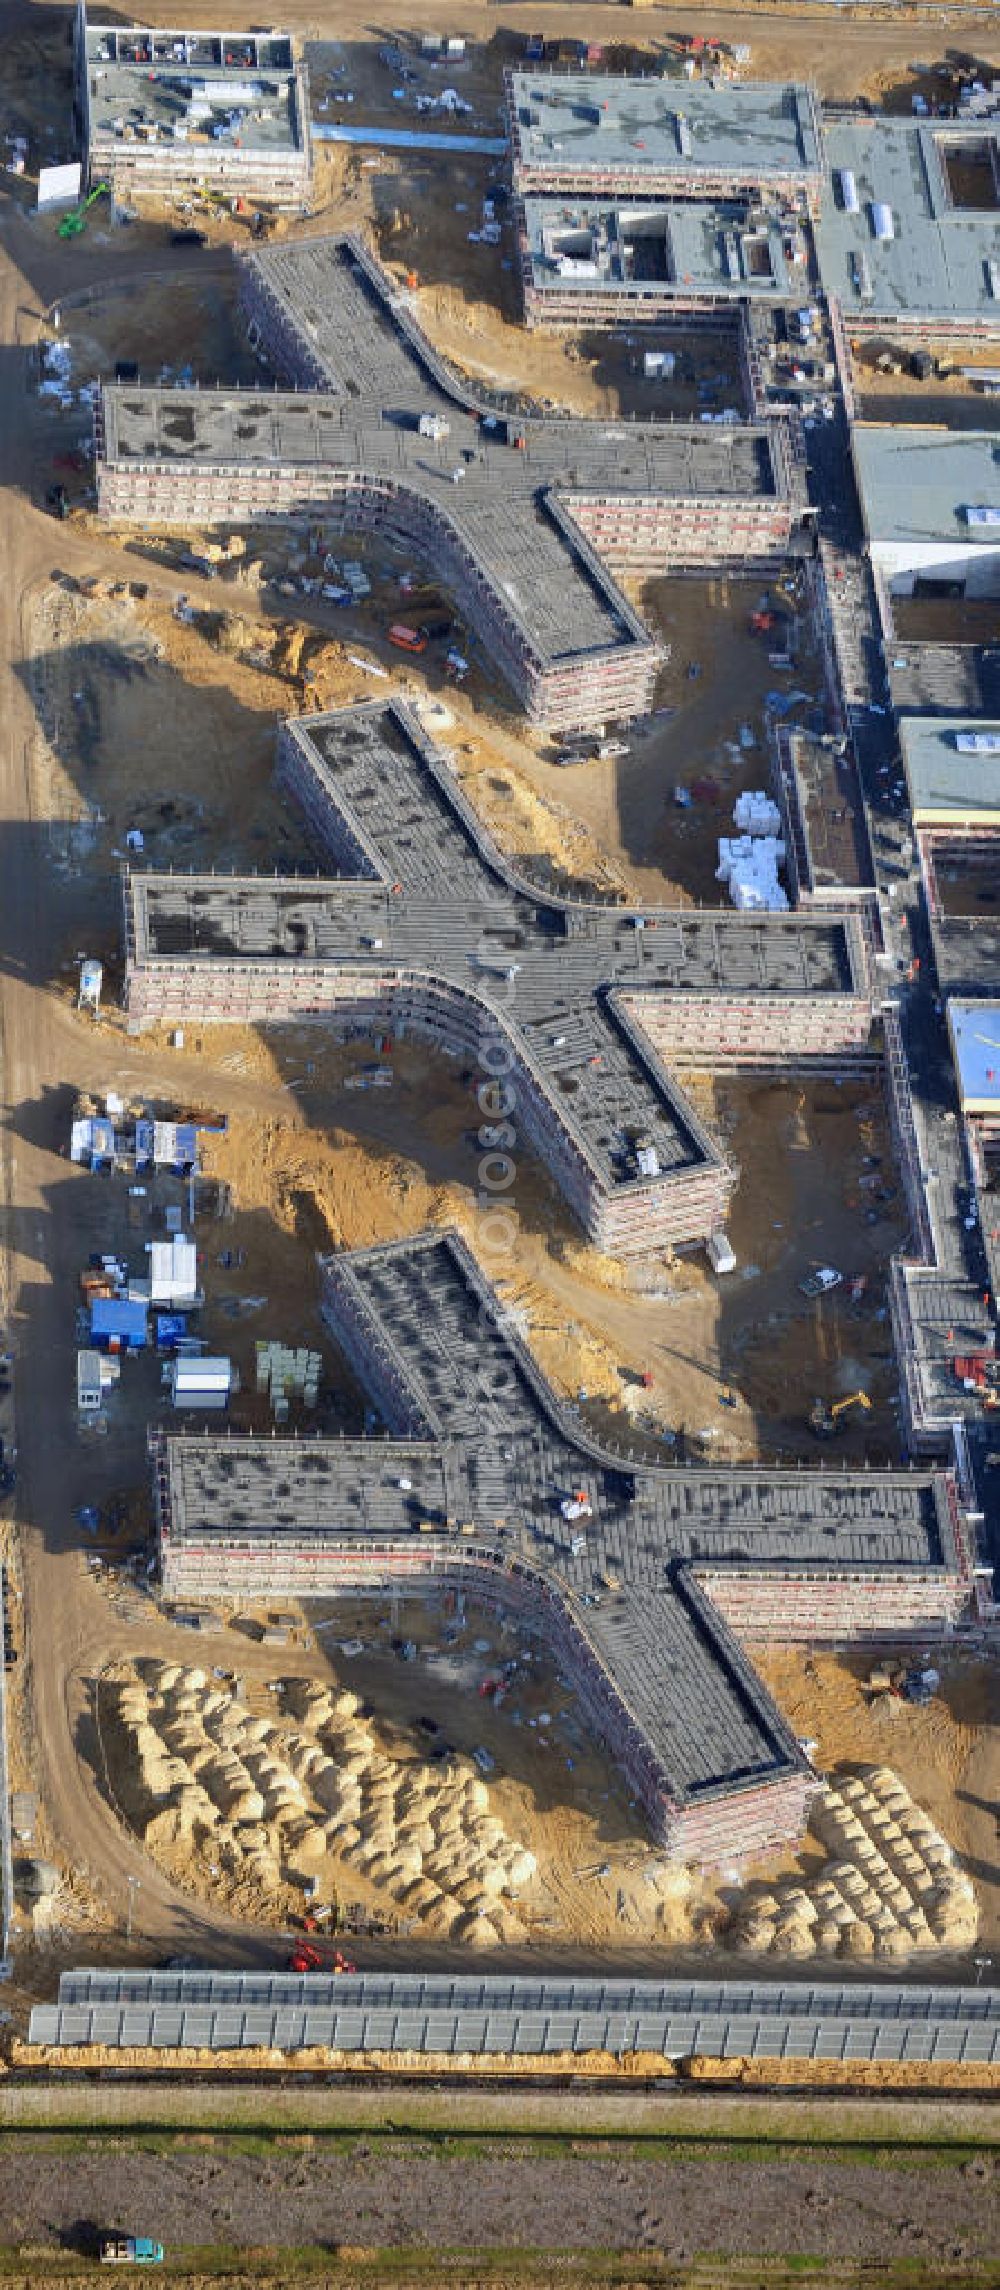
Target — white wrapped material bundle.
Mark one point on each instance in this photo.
(754, 813)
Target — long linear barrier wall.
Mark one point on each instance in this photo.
(479, 2017)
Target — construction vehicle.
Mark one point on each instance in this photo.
(76, 221)
(130, 2250)
(825, 1421)
(306, 1958)
(406, 639)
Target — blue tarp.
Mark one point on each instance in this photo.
(171, 1328)
(187, 1145)
(115, 1316)
(412, 139)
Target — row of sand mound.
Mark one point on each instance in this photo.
(301, 1797)
(889, 1888)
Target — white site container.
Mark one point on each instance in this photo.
(204, 1383)
(719, 1253)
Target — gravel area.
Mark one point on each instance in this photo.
(388, 2192)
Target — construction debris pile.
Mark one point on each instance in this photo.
(300, 1799)
(889, 1887)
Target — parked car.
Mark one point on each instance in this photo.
(819, 1283)
(130, 2250)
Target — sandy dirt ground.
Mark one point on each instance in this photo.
(945, 1753)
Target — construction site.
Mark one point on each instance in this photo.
(499, 1027)
(528, 520)
(164, 113)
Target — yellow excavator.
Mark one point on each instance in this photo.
(825, 1421)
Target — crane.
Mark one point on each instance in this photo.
(825, 1421)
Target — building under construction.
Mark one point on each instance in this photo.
(163, 114)
(636, 1577)
(603, 263)
(436, 935)
(598, 135)
(527, 519)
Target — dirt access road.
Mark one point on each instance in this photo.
(67, 1623)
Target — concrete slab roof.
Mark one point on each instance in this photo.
(974, 1028)
(939, 263)
(461, 916)
(690, 247)
(512, 511)
(579, 122)
(949, 784)
(919, 484)
(479, 1443)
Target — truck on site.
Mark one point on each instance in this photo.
(130, 2250)
(406, 639)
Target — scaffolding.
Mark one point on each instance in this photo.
(527, 518)
(639, 1606)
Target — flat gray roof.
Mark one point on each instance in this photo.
(578, 122)
(463, 918)
(918, 484)
(943, 778)
(477, 1436)
(375, 376)
(193, 89)
(687, 247)
(937, 264)
(948, 1318)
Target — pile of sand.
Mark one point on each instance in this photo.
(889, 1887)
(302, 1798)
